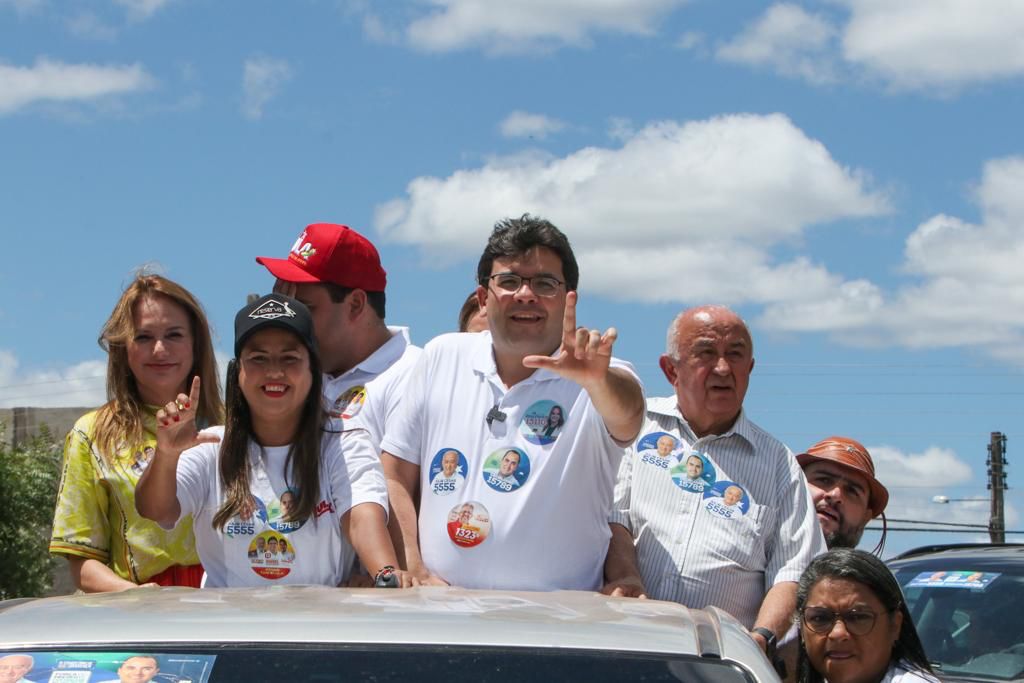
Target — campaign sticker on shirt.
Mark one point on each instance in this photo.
(659, 449)
(279, 509)
(469, 524)
(271, 555)
(349, 403)
(726, 499)
(247, 525)
(542, 422)
(506, 469)
(447, 471)
(141, 459)
(694, 473)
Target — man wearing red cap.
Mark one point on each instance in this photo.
(846, 495)
(336, 273)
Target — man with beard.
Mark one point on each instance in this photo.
(846, 495)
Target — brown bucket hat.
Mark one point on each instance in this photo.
(852, 454)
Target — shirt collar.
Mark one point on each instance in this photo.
(668, 405)
(483, 362)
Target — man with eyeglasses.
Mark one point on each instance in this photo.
(673, 542)
(480, 393)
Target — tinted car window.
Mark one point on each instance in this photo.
(237, 664)
(968, 631)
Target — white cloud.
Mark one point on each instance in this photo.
(521, 124)
(519, 25)
(23, 6)
(691, 40)
(707, 196)
(140, 10)
(788, 40)
(88, 25)
(968, 287)
(262, 80)
(83, 384)
(55, 81)
(936, 43)
(935, 467)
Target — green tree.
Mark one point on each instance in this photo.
(29, 475)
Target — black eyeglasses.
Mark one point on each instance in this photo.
(541, 285)
(822, 620)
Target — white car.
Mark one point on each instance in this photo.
(307, 633)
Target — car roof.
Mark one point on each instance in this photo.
(425, 615)
(978, 556)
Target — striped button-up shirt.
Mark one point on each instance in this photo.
(717, 520)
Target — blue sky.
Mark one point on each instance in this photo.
(846, 174)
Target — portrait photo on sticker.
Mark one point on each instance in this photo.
(726, 499)
(506, 469)
(694, 473)
(659, 448)
(349, 403)
(542, 422)
(469, 524)
(447, 472)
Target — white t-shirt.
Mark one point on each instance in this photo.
(265, 549)
(549, 531)
(368, 395)
(903, 673)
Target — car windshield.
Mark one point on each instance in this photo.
(324, 663)
(970, 622)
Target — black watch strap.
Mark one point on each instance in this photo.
(770, 641)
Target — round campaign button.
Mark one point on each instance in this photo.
(140, 461)
(469, 524)
(271, 555)
(506, 469)
(278, 509)
(542, 422)
(694, 473)
(726, 499)
(349, 403)
(659, 449)
(447, 471)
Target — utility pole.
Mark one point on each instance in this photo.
(997, 484)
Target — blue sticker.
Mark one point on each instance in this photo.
(277, 510)
(694, 473)
(447, 471)
(542, 422)
(726, 499)
(970, 580)
(506, 469)
(660, 449)
(246, 526)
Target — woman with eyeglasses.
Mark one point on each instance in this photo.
(854, 624)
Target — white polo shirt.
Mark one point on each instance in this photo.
(248, 551)
(368, 395)
(694, 546)
(547, 532)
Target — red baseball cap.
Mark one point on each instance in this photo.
(326, 252)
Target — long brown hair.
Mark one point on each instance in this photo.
(119, 421)
(303, 459)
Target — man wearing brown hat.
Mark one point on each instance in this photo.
(336, 273)
(846, 495)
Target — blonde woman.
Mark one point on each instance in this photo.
(157, 340)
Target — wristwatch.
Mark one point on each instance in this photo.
(770, 641)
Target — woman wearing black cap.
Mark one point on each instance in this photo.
(274, 447)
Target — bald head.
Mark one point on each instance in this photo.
(14, 667)
(708, 359)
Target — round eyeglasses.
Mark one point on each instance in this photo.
(541, 285)
(822, 620)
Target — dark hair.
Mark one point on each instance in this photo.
(303, 455)
(871, 572)
(468, 310)
(377, 300)
(515, 236)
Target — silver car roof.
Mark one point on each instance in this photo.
(425, 615)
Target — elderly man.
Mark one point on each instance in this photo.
(846, 495)
(477, 393)
(680, 543)
(14, 667)
(337, 273)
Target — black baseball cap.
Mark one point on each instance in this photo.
(274, 310)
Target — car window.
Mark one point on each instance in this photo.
(421, 664)
(968, 630)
